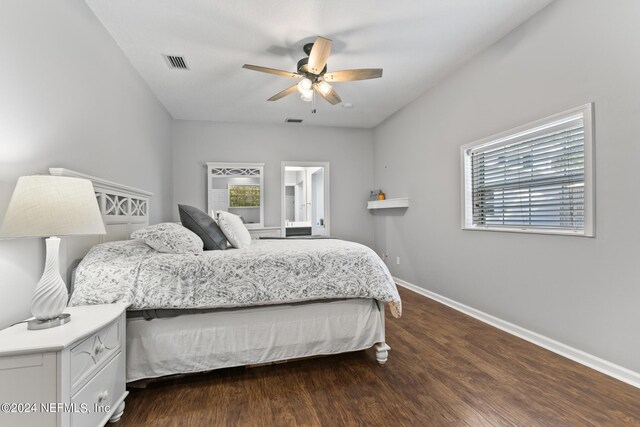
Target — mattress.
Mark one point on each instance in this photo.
(227, 338)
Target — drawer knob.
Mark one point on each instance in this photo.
(102, 396)
(99, 348)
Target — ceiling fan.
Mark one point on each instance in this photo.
(312, 70)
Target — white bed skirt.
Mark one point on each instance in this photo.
(226, 338)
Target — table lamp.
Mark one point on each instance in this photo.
(51, 206)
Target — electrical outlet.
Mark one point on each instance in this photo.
(398, 260)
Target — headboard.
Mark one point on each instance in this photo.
(124, 209)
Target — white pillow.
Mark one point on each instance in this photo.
(234, 229)
(170, 238)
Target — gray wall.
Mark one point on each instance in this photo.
(583, 292)
(69, 98)
(350, 152)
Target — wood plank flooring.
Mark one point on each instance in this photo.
(445, 368)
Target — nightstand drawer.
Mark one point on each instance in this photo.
(100, 394)
(257, 233)
(91, 354)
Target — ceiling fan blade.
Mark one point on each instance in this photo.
(330, 95)
(283, 93)
(352, 75)
(319, 55)
(272, 71)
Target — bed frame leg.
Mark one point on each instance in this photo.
(382, 352)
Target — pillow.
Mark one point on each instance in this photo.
(234, 229)
(204, 226)
(169, 238)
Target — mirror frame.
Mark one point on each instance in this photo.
(235, 171)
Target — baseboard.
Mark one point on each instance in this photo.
(611, 369)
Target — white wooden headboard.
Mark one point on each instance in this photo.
(124, 209)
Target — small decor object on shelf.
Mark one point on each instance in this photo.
(381, 195)
(373, 195)
(51, 206)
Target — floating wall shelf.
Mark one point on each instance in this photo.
(388, 204)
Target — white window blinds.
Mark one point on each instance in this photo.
(533, 179)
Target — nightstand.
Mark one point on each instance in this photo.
(71, 375)
(257, 233)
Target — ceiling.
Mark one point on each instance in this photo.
(415, 42)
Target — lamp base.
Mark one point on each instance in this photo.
(36, 324)
(50, 296)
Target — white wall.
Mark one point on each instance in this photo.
(290, 178)
(580, 291)
(69, 98)
(349, 151)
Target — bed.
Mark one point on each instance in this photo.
(275, 300)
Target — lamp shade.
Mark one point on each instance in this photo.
(43, 206)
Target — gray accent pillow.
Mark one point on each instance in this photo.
(169, 238)
(204, 226)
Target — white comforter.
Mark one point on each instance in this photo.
(266, 272)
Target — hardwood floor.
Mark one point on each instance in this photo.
(445, 368)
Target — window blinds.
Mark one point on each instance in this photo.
(534, 181)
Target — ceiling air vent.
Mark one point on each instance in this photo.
(176, 62)
(293, 120)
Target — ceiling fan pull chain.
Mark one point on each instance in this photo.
(313, 103)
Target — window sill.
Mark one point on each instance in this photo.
(576, 233)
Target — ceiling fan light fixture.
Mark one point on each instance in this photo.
(307, 95)
(305, 85)
(324, 87)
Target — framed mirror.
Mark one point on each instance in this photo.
(237, 188)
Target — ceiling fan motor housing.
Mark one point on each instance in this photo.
(302, 64)
(307, 48)
(302, 69)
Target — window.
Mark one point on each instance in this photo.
(244, 196)
(537, 178)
